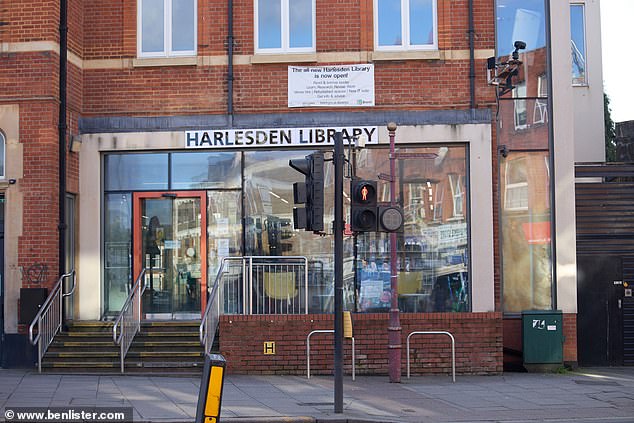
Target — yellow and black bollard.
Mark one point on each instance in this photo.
(210, 394)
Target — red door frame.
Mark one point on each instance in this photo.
(137, 260)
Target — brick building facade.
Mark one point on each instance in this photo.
(131, 98)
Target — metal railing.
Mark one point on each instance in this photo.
(129, 319)
(255, 285)
(263, 285)
(210, 318)
(453, 349)
(354, 371)
(49, 319)
(277, 285)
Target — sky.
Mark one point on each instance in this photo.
(617, 39)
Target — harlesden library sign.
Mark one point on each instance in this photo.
(278, 137)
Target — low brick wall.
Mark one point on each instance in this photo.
(478, 343)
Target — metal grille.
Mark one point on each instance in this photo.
(628, 331)
(605, 226)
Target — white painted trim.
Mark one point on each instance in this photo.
(285, 32)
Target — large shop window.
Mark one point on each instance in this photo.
(578, 44)
(405, 24)
(433, 249)
(285, 26)
(2, 154)
(166, 28)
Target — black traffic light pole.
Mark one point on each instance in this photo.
(338, 230)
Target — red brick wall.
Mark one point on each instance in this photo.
(478, 343)
(110, 32)
(570, 338)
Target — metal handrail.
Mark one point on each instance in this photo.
(209, 323)
(129, 318)
(354, 370)
(49, 319)
(453, 349)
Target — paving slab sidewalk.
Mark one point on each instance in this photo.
(586, 395)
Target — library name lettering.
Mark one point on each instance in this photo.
(288, 137)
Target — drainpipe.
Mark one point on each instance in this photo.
(230, 64)
(472, 74)
(63, 56)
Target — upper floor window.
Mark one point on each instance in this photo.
(519, 106)
(578, 44)
(284, 26)
(405, 25)
(540, 110)
(515, 185)
(166, 28)
(2, 148)
(457, 194)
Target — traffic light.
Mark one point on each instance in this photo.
(390, 219)
(363, 209)
(368, 216)
(310, 193)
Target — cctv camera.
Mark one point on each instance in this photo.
(519, 45)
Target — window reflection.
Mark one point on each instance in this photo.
(433, 251)
(141, 172)
(578, 43)
(117, 250)
(205, 170)
(526, 248)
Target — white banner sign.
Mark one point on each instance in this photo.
(331, 86)
(278, 137)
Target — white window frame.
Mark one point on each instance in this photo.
(405, 25)
(457, 194)
(3, 150)
(167, 33)
(540, 110)
(439, 196)
(519, 186)
(519, 99)
(285, 22)
(584, 53)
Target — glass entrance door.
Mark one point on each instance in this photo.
(170, 243)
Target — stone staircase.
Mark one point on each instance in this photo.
(162, 347)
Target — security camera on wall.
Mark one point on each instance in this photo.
(503, 72)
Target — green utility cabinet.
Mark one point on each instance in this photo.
(542, 337)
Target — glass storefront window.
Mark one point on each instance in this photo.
(433, 252)
(525, 227)
(117, 250)
(205, 170)
(136, 172)
(433, 248)
(268, 184)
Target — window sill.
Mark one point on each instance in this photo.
(405, 55)
(284, 58)
(164, 61)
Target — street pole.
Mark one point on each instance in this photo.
(338, 229)
(394, 327)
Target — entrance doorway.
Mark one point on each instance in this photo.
(170, 243)
(600, 310)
